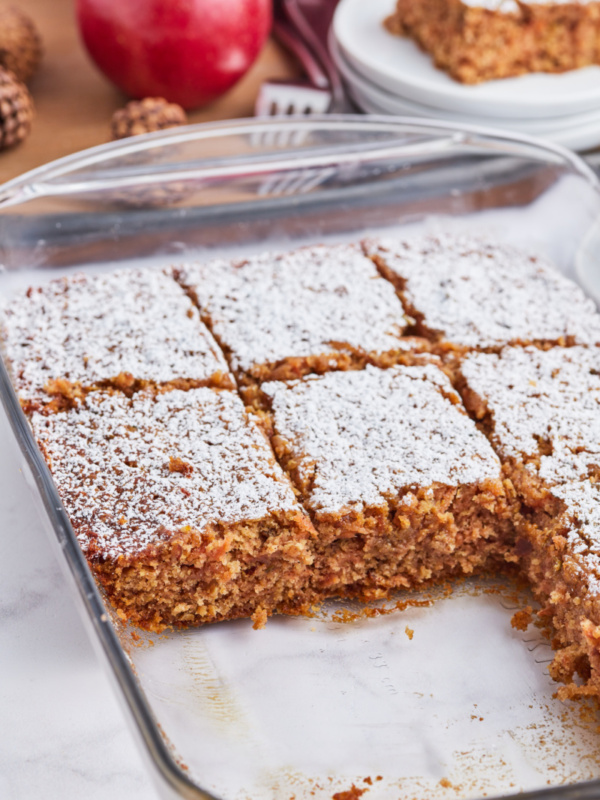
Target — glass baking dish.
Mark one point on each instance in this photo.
(435, 700)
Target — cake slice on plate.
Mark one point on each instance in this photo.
(481, 40)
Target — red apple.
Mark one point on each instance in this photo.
(187, 51)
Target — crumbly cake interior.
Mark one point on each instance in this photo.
(179, 505)
(481, 40)
(337, 421)
(401, 486)
(541, 411)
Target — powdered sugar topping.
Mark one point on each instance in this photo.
(582, 513)
(363, 436)
(318, 300)
(92, 328)
(582, 500)
(111, 459)
(544, 402)
(480, 294)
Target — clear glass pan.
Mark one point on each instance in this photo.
(440, 701)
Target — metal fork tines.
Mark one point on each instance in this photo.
(287, 98)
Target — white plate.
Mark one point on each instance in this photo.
(579, 132)
(397, 64)
(577, 137)
(395, 104)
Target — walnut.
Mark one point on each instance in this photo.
(16, 110)
(20, 43)
(145, 116)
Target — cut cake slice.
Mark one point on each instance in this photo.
(481, 40)
(128, 330)
(466, 293)
(401, 486)
(178, 503)
(560, 554)
(542, 412)
(541, 408)
(279, 317)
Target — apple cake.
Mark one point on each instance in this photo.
(400, 484)
(278, 317)
(251, 437)
(179, 505)
(126, 330)
(465, 293)
(482, 40)
(541, 411)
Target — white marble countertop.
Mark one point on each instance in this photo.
(64, 734)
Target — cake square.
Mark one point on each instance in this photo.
(179, 505)
(481, 40)
(541, 407)
(128, 329)
(559, 553)
(541, 411)
(399, 483)
(278, 317)
(468, 293)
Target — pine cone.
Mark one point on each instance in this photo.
(20, 43)
(144, 116)
(16, 110)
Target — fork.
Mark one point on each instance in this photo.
(279, 98)
(283, 98)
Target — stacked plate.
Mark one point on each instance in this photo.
(388, 74)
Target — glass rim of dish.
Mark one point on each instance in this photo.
(52, 179)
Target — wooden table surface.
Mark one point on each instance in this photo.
(74, 102)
